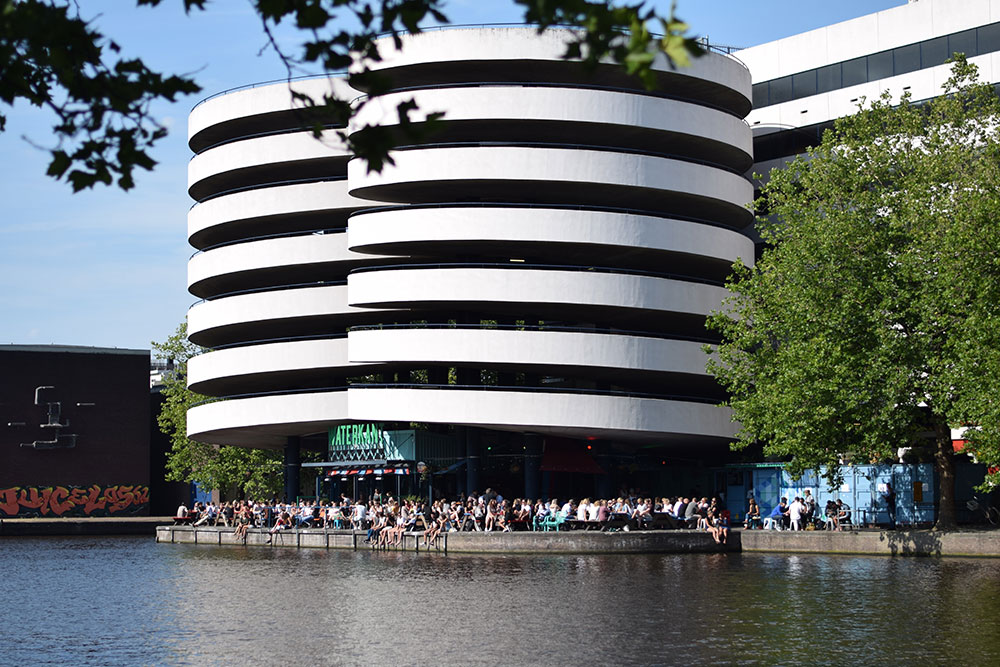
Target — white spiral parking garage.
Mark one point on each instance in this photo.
(536, 272)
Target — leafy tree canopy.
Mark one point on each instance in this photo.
(872, 319)
(51, 57)
(253, 473)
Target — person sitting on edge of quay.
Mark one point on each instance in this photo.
(284, 521)
(718, 523)
(242, 522)
(378, 522)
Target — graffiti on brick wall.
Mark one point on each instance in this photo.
(94, 500)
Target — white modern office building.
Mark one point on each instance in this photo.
(802, 84)
(531, 282)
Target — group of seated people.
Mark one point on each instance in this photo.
(386, 522)
(385, 519)
(800, 514)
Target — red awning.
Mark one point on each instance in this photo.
(563, 455)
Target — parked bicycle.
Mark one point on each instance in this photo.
(979, 507)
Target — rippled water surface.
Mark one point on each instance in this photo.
(131, 601)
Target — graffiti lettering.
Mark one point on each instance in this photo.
(96, 500)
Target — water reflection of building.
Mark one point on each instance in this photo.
(527, 287)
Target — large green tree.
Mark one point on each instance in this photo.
(253, 473)
(872, 319)
(51, 57)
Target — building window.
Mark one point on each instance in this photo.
(909, 58)
(854, 71)
(934, 52)
(828, 78)
(804, 84)
(880, 66)
(760, 95)
(989, 38)
(963, 42)
(781, 90)
(906, 59)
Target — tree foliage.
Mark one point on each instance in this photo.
(872, 319)
(53, 58)
(254, 473)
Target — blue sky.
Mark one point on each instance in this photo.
(108, 268)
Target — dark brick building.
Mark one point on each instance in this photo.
(74, 431)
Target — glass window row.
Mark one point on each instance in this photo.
(930, 53)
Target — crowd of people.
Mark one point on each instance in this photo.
(800, 514)
(385, 519)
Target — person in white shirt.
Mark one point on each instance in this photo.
(678, 506)
(795, 512)
(567, 508)
(358, 518)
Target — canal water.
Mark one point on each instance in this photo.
(104, 601)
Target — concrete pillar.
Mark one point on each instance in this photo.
(473, 451)
(532, 463)
(293, 461)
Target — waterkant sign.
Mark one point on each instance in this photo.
(369, 442)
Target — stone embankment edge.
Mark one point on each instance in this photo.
(959, 543)
(983, 544)
(70, 526)
(565, 542)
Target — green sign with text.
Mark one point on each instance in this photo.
(369, 442)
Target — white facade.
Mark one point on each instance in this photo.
(902, 49)
(544, 264)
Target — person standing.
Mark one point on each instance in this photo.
(809, 516)
(890, 503)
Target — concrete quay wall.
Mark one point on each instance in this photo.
(976, 543)
(564, 542)
(870, 543)
(70, 526)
